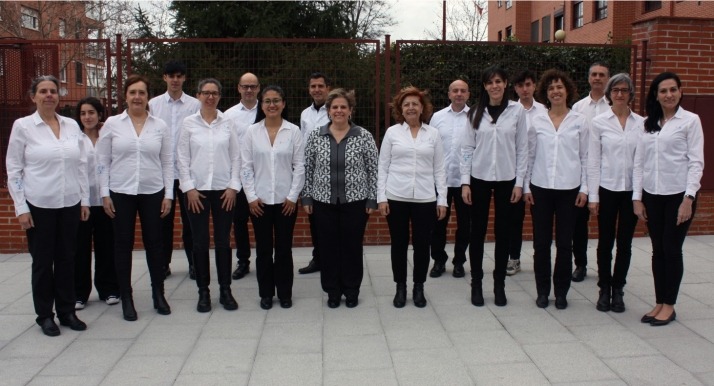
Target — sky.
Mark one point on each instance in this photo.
(415, 16)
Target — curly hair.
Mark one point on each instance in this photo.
(553, 75)
(423, 96)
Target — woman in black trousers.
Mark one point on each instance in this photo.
(669, 163)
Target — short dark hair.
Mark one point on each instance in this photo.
(551, 76)
(94, 102)
(318, 75)
(174, 67)
(601, 64)
(523, 76)
(411, 91)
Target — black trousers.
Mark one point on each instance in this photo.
(168, 228)
(580, 236)
(96, 232)
(423, 218)
(148, 206)
(241, 214)
(274, 231)
(314, 237)
(222, 220)
(616, 221)
(515, 230)
(463, 230)
(667, 240)
(480, 203)
(341, 228)
(553, 204)
(52, 244)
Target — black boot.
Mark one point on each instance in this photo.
(418, 295)
(603, 301)
(127, 307)
(618, 304)
(227, 299)
(204, 300)
(499, 292)
(476, 293)
(160, 304)
(400, 299)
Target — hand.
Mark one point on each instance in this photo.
(288, 208)
(466, 194)
(384, 208)
(581, 200)
(166, 207)
(229, 199)
(84, 214)
(440, 212)
(528, 198)
(639, 208)
(684, 213)
(307, 209)
(516, 194)
(594, 208)
(369, 210)
(256, 208)
(26, 221)
(108, 205)
(193, 197)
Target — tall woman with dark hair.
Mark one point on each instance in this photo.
(494, 157)
(135, 164)
(556, 182)
(97, 231)
(669, 163)
(273, 174)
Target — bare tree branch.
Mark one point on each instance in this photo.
(465, 20)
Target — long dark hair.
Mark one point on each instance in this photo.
(475, 115)
(94, 102)
(652, 106)
(260, 115)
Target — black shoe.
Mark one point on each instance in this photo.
(227, 299)
(351, 301)
(286, 303)
(333, 302)
(160, 304)
(49, 327)
(312, 267)
(127, 307)
(647, 318)
(71, 321)
(603, 301)
(659, 322)
(542, 301)
(618, 303)
(400, 298)
(204, 300)
(168, 271)
(241, 270)
(458, 271)
(437, 269)
(561, 302)
(418, 295)
(579, 274)
(266, 303)
(191, 272)
(476, 294)
(500, 296)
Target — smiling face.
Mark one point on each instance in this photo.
(340, 111)
(620, 94)
(209, 96)
(248, 88)
(669, 95)
(557, 93)
(411, 110)
(318, 90)
(495, 87)
(137, 97)
(272, 104)
(46, 97)
(89, 116)
(598, 77)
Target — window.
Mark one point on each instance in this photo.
(509, 32)
(600, 9)
(63, 74)
(652, 5)
(62, 28)
(509, 4)
(535, 28)
(500, 36)
(79, 72)
(30, 18)
(545, 34)
(500, 3)
(577, 14)
(96, 83)
(94, 49)
(558, 21)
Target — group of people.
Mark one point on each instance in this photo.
(78, 185)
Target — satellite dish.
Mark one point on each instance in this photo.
(63, 91)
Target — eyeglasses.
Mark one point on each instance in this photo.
(214, 94)
(248, 86)
(623, 91)
(269, 102)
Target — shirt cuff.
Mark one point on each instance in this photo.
(636, 196)
(466, 180)
(594, 198)
(186, 186)
(22, 209)
(104, 192)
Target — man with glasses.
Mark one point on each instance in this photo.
(172, 107)
(312, 118)
(243, 115)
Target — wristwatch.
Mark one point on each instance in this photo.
(689, 196)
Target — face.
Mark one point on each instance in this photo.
(459, 93)
(668, 94)
(525, 90)
(248, 88)
(495, 87)
(209, 96)
(273, 104)
(46, 97)
(318, 90)
(620, 94)
(137, 96)
(340, 110)
(89, 116)
(598, 78)
(557, 94)
(411, 109)
(174, 82)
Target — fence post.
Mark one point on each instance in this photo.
(387, 82)
(120, 76)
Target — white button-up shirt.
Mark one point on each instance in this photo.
(590, 107)
(242, 118)
(611, 153)
(311, 119)
(671, 160)
(208, 154)
(275, 172)
(135, 164)
(173, 112)
(536, 108)
(47, 171)
(450, 124)
(558, 158)
(412, 168)
(496, 151)
(95, 194)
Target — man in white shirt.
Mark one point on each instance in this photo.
(172, 107)
(311, 118)
(591, 106)
(525, 84)
(243, 115)
(449, 121)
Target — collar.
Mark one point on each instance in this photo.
(405, 126)
(241, 106)
(464, 110)
(168, 98)
(354, 130)
(316, 109)
(37, 119)
(597, 102)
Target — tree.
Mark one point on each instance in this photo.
(367, 19)
(465, 20)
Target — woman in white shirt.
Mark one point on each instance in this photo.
(135, 165)
(669, 163)
(556, 182)
(494, 157)
(208, 163)
(97, 232)
(611, 153)
(47, 179)
(411, 187)
(273, 174)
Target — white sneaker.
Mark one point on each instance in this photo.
(513, 267)
(79, 305)
(112, 300)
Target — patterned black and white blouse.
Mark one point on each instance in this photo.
(344, 172)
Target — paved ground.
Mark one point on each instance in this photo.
(449, 342)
